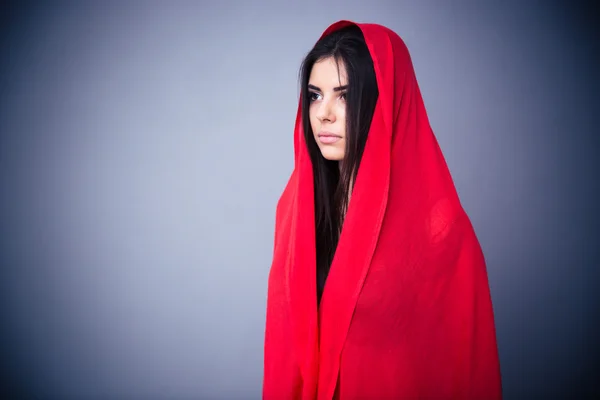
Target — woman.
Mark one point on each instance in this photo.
(378, 287)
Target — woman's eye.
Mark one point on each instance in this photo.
(313, 96)
(343, 96)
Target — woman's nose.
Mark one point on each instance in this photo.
(325, 112)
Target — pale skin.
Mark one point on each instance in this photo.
(327, 91)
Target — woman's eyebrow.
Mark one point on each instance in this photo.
(335, 89)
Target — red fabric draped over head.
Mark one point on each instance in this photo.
(406, 311)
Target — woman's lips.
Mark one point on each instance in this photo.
(328, 138)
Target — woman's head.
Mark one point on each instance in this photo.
(338, 97)
(326, 90)
(339, 92)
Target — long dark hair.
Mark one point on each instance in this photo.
(333, 184)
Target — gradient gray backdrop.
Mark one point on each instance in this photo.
(144, 146)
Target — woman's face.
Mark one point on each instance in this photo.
(327, 94)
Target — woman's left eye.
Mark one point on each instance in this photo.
(343, 96)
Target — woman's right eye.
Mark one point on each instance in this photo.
(312, 96)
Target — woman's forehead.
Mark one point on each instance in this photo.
(328, 73)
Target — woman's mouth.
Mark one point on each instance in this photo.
(328, 138)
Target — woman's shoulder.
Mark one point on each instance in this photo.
(442, 217)
(286, 198)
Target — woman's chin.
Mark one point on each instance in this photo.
(332, 154)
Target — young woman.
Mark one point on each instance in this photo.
(378, 287)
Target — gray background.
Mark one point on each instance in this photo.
(144, 145)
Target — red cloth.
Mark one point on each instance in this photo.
(406, 311)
